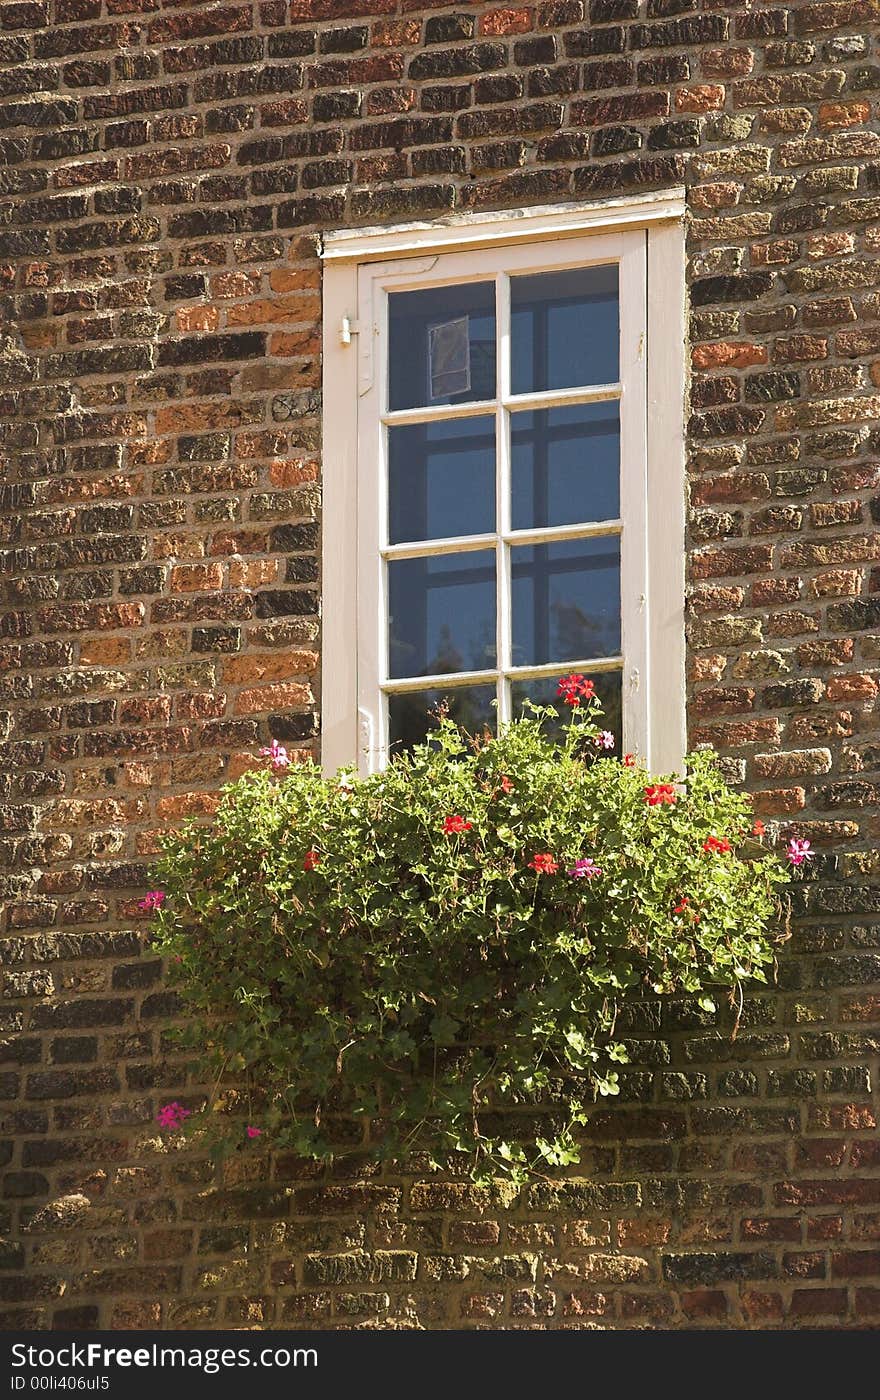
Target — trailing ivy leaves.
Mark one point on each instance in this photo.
(432, 960)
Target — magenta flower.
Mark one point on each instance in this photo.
(277, 755)
(152, 901)
(585, 869)
(798, 851)
(605, 740)
(254, 1132)
(172, 1115)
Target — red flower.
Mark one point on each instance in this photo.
(454, 826)
(629, 760)
(658, 793)
(713, 843)
(506, 784)
(573, 689)
(758, 828)
(681, 906)
(543, 864)
(311, 860)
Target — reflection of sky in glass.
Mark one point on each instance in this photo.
(566, 601)
(410, 720)
(416, 324)
(543, 692)
(441, 479)
(442, 614)
(564, 465)
(564, 329)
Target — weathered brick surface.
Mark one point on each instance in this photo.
(167, 173)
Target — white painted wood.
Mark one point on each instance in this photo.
(512, 226)
(503, 583)
(634, 495)
(447, 681)
(593, 664)
(339, 571)
(666, 381)
(369, 639)
(438, 413)
(423, 549)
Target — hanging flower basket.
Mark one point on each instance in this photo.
(432, 960)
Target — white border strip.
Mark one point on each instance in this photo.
(507, 226)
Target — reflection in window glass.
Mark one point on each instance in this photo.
(411, 718)
(441, 479)
(543, 692)
(566, 601)
(442, 345)
(565, 465)
(442, 614)
(565, 328)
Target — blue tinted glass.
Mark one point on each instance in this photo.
(442, 345)
(565, 465)
(411, 716)
(442, 614)
(441, 479)
(543, 692)
(566, 601)
(565, 329)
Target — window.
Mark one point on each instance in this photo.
(503, 496)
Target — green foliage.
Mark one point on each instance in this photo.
(430, 983)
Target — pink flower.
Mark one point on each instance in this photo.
(455, 825)
(254, 1132)
(584, 869)
(172, 1115)
(798, 851)
(605, 740)
(152, 901)
(277, 755)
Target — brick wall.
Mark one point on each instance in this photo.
(166, 168)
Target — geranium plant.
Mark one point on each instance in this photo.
(432, 959)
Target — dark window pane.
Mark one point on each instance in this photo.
(441, 479)
(543, 692)
(566, 601)
(565, 329)
(410, 718)
(442, 614)
(565, 465)
(442, 345)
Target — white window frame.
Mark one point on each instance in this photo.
(646, 236)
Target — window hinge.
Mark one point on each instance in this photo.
(348, 328)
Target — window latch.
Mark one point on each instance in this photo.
(348, 328)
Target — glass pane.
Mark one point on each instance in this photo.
(543, 692)
(442, 345)
(564, 329)
(566, 600)
(441, 479)
(441, 614)
(410, 718)
(565, 465)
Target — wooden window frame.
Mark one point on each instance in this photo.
(646, 237)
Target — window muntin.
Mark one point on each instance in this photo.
(501, 439)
